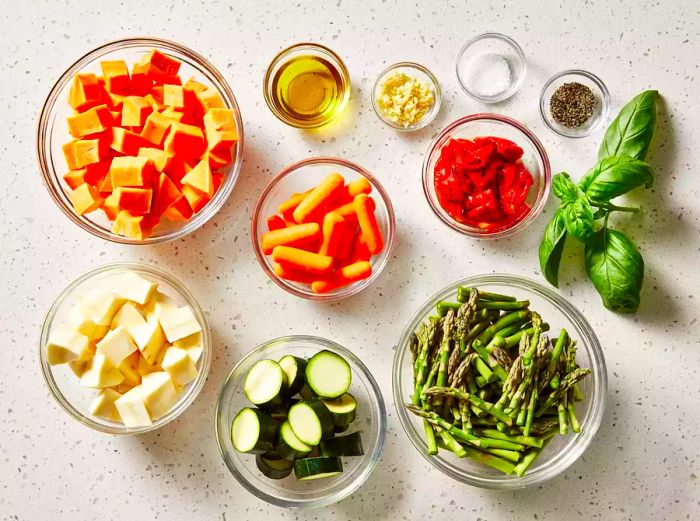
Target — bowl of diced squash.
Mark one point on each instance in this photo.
(125, 349)
(140, 141)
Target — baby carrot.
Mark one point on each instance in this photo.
(318, 196)
(360, 251)
(290, 235)
(286, 208)
(347, 240)
(275, 222)
(344, 276)
(359, 186)
(288, 273)
(333, 232)
(347, 211)
(303, 260)
(368, 224)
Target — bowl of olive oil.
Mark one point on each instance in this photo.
(307, 85)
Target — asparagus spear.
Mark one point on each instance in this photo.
(445, 349)
(464, 293)
(502, 305)
(474, 400)
(567, 383)
(530, 441)
(492, 461)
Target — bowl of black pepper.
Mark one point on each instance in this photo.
(574, 103)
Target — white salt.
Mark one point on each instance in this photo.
(488, 74)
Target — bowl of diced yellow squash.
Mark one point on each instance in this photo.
(125, 349)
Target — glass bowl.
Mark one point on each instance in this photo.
(562, 451)
(52, 133)
(419, 72)
(472, 59)
(299, 177)
(593, 82)
(64, 385)
(534, 158)
(295, 51)
(289, 492)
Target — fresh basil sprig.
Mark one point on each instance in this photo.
(613, 262)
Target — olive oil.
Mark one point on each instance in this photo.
(309, 90)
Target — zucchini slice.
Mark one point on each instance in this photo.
(265, 384)
(274, 468)
(328, 374)
(316, 468)
(253, 430)
(294, 368)
(311, 421)
(350, 445)
(343, 409)
(288, 445)
(306, 393)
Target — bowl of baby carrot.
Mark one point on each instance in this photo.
(323, 228)
(140, 141)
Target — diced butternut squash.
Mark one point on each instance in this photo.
(131, 171)
(196, 199)
(132, 226)
(154, 103)
(186, 141)
(127, 142)
(219, 159)
(200, 179)
(173, 96)
(160, 158)
(219, 119)
(116, 75)
(166, 193)
(91, 174)
(221, 141)
(210, 99)
(159, 66)
(173, 114)
(156, 127)
(180, 210)
(137, 201)
(94, 120)
(135, 110)
(115, 101)
(83, 152)
(85, 199)
(85, 92)
(140, 82)
(110, 207)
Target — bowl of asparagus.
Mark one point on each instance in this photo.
(499, 382)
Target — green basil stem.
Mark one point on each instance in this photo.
(614, 208)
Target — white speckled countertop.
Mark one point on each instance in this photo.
(645, 461)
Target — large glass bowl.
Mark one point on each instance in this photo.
(52, 133)
(562, 451)
(534, 158)
(300, 177)
(289, 492)
(65, 386)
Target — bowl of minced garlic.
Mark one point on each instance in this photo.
(406, 96)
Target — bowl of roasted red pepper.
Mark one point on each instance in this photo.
(486, 176)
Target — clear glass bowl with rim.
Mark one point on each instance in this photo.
(52, 133)
(290, 492)
(422, 74)
(534, 158)
(65, 386)
(299, 177)
(562, 451)
(471, 62)
(600, 112)
(313, 50)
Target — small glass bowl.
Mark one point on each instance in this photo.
(289, 492)
(52, 133)
(419, 72)
(299, 177)
(65, 386)
(534, 158)
(562, 451)
(305, 49)
(593, 82)
(496, 44)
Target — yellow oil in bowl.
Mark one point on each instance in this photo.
(307, 88)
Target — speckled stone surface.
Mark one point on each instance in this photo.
(645, 461)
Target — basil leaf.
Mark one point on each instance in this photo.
(578, 217)
(614, 176)
(564, 188)
(631, 132)
(616, 269)
(551, 248)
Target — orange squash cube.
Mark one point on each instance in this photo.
(115, 101)
(219, 159)
(160, 158)
(131, 171)
(85, 199)
(140, 82)
(110, 207)
(160, 67)
(127, 142)
(221, 141)
(196, 199)
(177, 170)
(133, 226)
(210, 99)
(165, 194)
(219, 119)
(85, 92)
(180, 210)
(155, 128)
(136, 201)
(91, 174)
(83, 152)
(185, 141)
(116, 75)
(173, 114)
(200, 179)
(135, 110)
(173, 96)
(94, 120)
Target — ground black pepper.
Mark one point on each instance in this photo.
(572, 104)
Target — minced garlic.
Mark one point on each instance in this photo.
(404, 99)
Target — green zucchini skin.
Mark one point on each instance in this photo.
(315, 468)
(324, 416)
(317, 371)
(274, 468)
(320, 413)
(349, 445)
(343, 409)
(267, 431)
(288, 445)
(298, 380)
(306, 392)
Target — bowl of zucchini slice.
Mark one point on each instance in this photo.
(300, 422)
